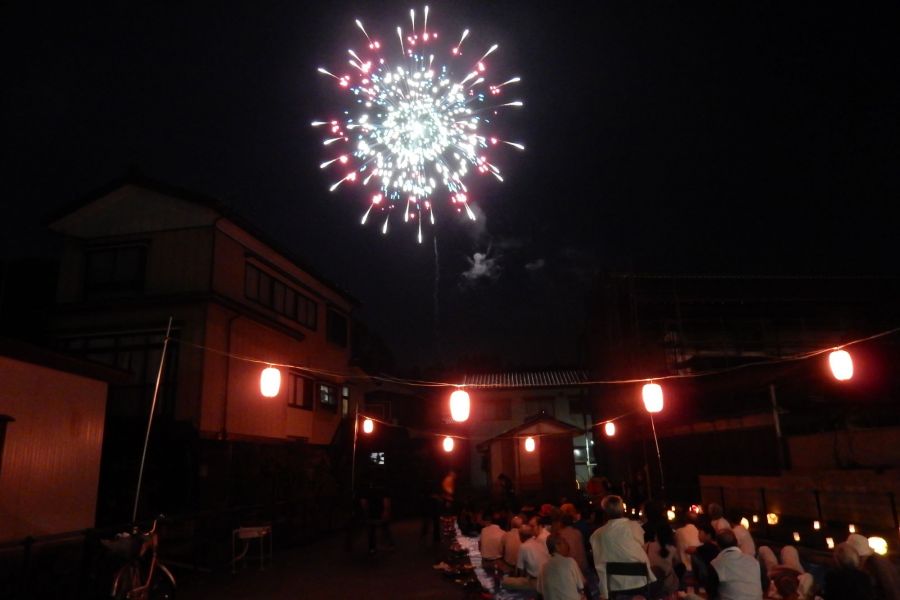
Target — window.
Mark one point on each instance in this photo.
(376, 458)
(138, 353)
(115, 268)
(301, 395)
(345, 400)
(327, 396)
(278, 296)
(336, 328)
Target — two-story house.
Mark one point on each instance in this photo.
(140, 252)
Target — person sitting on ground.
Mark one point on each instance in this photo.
(490, 542)
(532, 556)
(620, 540)
(511, 542)
(734, 575)
(560, 577)
(541, 527)
(687, 537)
(847, 580)
(717, 517)
(882, 573)
(664, 560)
(563, 528)
(745, 540)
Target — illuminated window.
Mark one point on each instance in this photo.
(345, 400)
(376, 458)
(327, 396)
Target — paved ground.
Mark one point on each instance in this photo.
(326, 570)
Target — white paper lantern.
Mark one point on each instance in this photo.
(448, 444)
(653, 397)
(459, 405)
(841, 365)
(270, 382)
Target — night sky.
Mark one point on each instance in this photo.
(662, 137)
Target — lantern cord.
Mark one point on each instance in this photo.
(445, 384)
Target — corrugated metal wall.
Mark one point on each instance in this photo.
(51, 462)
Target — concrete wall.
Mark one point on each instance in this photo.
(838, 449)
(851, 496)
(51, 462)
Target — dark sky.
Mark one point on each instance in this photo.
(662, 137)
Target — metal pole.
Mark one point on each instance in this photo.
(777, 420)
(662, 481)
(353, 463)
(162, 361)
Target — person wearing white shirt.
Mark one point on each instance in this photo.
(686, 538)
(560, 577)
(620, 540)
(490, 543)
(738, 574)
(532, 556)
(511, 543)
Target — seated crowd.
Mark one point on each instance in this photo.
(570, 552)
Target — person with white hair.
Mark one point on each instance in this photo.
(847, 580)
(560, 577)
(620, 540)
(882, 573)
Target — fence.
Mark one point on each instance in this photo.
(76, 565)
(798, 511)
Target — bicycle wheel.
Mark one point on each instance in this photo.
(127, 578)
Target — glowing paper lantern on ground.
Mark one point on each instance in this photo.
(756, 518)
(796, 536)
(368, 426)
(270, 382)
(448, 444)
(829, 541)
(529, 444)
(653, 397)
(772, 519)
(851, 528)
(745, 523)
(878, 545)
(459, 405)
(817, 525)
(841, 365)
(670, 514)
(609, 429)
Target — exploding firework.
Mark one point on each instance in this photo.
(417, 123)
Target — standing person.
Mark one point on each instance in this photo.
(597, 487)
(737, 576)
(560, 577)
(620, 540)
(376, 506)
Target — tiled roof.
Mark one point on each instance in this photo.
(526, 379)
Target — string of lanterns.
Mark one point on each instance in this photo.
(839, 360)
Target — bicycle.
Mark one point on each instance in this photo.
(143, 577)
